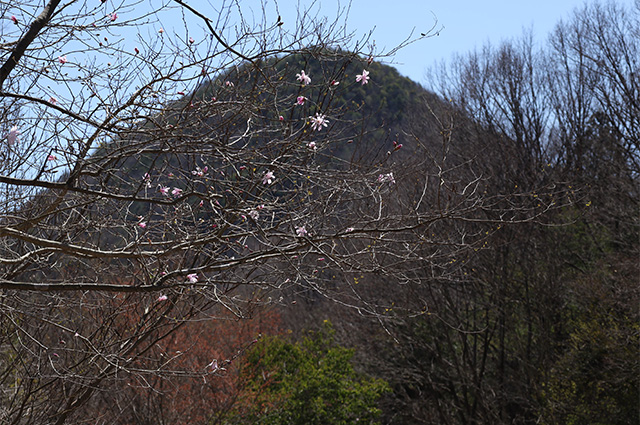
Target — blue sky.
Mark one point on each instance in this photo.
(465, 24)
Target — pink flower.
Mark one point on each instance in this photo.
(363, 78)
(193, 277)
(51, 158)
(113, 16)
(254, 214)
(162, 298)
(312, 145)
(386, 178)
(62, 59)
(268, 178)
(213, 365)
(228, 84)
(53, 101)
(13, 134)
(14, 19)
(176, 191)
(349, 229)
(303, 78)
(281, 118)
(164, 190)
(301, 231)
(191, 40)
(318, 122)
(136, 50)
(200, 172)
(142, 225)
(300, 100)
(334, 83)
(160, 31)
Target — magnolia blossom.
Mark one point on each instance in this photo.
(349, 229)
(268, 178)
(136, 50)
(386, 178)
(53, 101)
(14, 19)
(363, 78)
(164, 190)
(334, 83)
(62, 59)
(228, 83)
(113, 16)
(312, 145)
(176, 191)
(162, 298)
(142, 225)
(13, 134)
(303, 78)
(193, 277)
(301, 231)
(191, 40)
(160, 31)
(200, 171)
(318, 122)
(300, 100)
(51, 158)
(213, 365)
(254, 214)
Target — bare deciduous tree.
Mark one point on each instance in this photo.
(151, 175)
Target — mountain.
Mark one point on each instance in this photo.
(467, 271)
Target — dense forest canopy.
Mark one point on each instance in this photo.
(277, 228)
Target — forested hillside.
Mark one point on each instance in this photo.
(289, 232)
